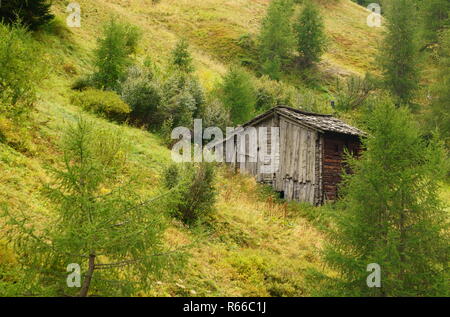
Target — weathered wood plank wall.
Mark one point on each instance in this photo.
(334, 149)
(299, 173)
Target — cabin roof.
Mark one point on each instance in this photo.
(315, 121)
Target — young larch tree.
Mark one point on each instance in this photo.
(391, 213)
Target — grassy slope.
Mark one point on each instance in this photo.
(215, 26)
(242, 255)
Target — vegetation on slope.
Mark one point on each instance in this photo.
(238, 252)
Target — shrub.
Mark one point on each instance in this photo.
(144, 95)
(183, 99)
(83, 83)
(194, 199)
(353, 93)
(171, 176)
(166, 131)
(249, 55)
(20, 71)
(271, 93)
(215, 114)
(106, 103)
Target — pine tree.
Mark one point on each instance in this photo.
(276, 40)
(238, 95)
(310, 34)
(112, 56)
(181, 58)
(391, 213)
(399, 52)
(31, 13)
(100, 223)
(193, 200)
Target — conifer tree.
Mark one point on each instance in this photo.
(181, 58)
(310, 34)
(276, 40)
(238, 95)
(391, 213)
(31, 13)
(100, 224)
(399, 52)
(112, 56)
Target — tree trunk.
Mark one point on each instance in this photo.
(87, 281)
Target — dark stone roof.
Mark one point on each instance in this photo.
(315, 121)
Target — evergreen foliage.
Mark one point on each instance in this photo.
(183, 100)
(99, 223)
(194, 197)
(238, 95)
(181, 58)
(276, 40)
(399, 53)
(30, 13)
(310, 34)
(391, 213)
(143, 92)
(112, 57)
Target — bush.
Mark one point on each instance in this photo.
(171, 176)
(194, 199)
(83, 83)
(20, 71)
(144, 95)
(249, 55)
(353, 93)
(106, 103)
(183, 100)
(215, 115)
(271, 93)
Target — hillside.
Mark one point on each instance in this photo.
(214, 27)
(241, 256)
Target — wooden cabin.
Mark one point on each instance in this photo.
(311, 152)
